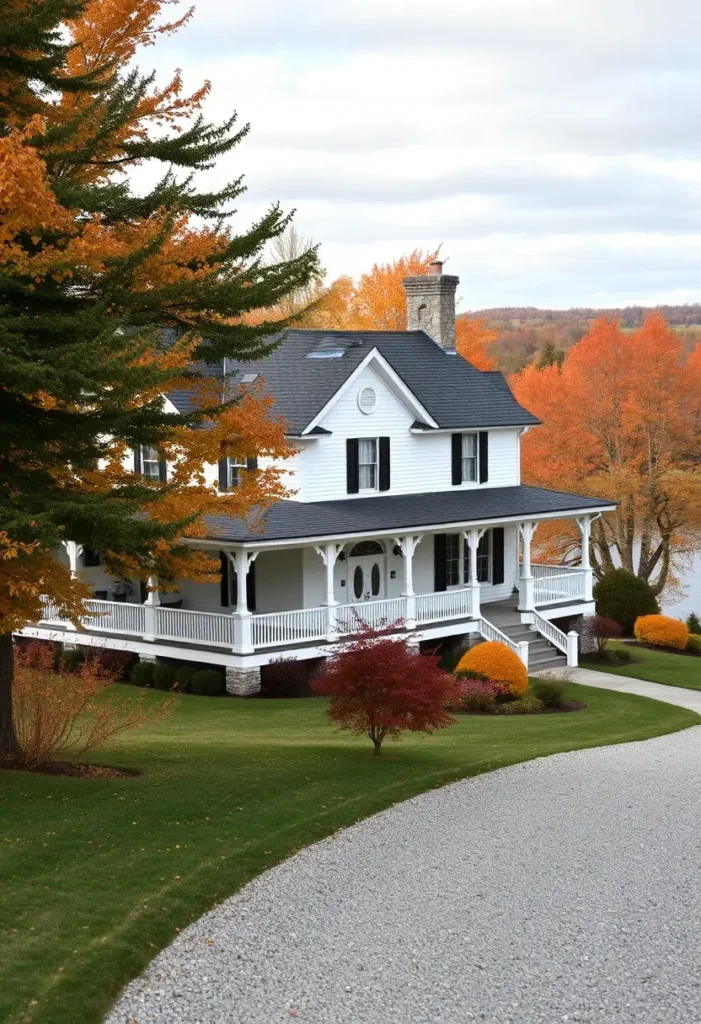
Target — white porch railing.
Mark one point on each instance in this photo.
(553, 583)
(105, 616)
(287, 627)
(210, 628)
(568, 643)
(449, 604)
(374, 613)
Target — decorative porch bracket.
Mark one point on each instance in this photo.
(329, 553)
(408, 543)
(473, 536)
(242, 617)
(526, 583)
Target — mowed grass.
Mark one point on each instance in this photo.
(655, 666)
(97, 876)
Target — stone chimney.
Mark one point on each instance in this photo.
(430, 304)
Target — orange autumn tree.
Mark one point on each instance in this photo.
(472, 340)
(111, 299)
(621, 420)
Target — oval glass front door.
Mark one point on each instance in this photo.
(375, 580)
(358, 582)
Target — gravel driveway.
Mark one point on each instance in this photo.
(565, 889)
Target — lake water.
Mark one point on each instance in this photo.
(687, 599)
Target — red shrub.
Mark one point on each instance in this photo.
(601, 630)
(480, 695)
(379, 685)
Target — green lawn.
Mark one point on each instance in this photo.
(656, 667)
(97, 876)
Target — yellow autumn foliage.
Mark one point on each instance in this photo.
(661, 631)
(496, 661)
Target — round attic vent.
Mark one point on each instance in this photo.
(367, 400)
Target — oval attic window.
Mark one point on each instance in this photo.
(367, 400)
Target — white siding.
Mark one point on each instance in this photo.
(419, 463)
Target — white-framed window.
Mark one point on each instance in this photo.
(235, 468)
(452, 560)
(484, 559)
(470, 458)
(150, 462)
(367, 463)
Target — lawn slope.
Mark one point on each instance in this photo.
(655, 666)
(98, 875)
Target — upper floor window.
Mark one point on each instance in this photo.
(469, 458)
(367, 463)
(232, 471)
(150, 462)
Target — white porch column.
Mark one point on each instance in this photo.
(526, 581)
(243, 632)
(408, 544)
(572, 649)
(584, 524)
(329, 553)
(153, 600)
(473, 536)
(74, 551)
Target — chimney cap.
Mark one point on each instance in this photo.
(436, 267)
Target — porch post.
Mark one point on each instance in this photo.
(74, 551)
(526, 582)
(473, 537)
(153, 600)
(243, 631)
(329, 554)
(408, 544)
(584, 524)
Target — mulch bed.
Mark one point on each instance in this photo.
(69, 770)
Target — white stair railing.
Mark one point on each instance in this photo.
(490, 632)
(565, 642)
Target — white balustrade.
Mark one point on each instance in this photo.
(376, 614)
(210, 628)
(565, 642)
(287, 627)
(490, 632)
(449, 604)
(553, 583)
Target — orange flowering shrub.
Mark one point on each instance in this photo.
(496, 661)
(661, 631)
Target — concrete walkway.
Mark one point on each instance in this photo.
(609, 681)
(563, 889)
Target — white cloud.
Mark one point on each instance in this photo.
(553, 145)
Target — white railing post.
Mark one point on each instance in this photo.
(74, 551)
(526, 584)
(523, 651)
(153, 599)
(243, 630)
(329, 554)
(572, 649)
(584, 524)
(473, 537)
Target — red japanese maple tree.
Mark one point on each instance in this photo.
(381, 686)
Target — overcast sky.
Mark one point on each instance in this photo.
(553, 146)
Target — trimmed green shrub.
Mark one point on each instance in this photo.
(550, 691)
(624, 597)
(142, 673)
(183, 677)
(72, 659)
(623, 654)
(693, 644)
(694, 624)
(207, 682)
(528, 705)
(163, 677)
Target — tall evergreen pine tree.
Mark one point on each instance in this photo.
(108, 299)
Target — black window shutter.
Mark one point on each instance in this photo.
(224, 559)
(252, 463)
(223, 474)
(498, 554)
(384, 464)
(439, 577)
(137, 459)
(162, 470)
(352, 467)
(456, 440)
(484, 456)
(251, 587)
(143, 591)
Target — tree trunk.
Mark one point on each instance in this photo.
(377, 744)
(8, 739)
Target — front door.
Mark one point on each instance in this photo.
(366, 572)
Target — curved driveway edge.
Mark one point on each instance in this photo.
(562, 889)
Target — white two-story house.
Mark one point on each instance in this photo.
(406, 510)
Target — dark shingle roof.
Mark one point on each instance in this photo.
(455, 394)
(288, 520)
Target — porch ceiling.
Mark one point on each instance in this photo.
(291, 520)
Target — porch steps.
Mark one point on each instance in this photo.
(542, 654)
